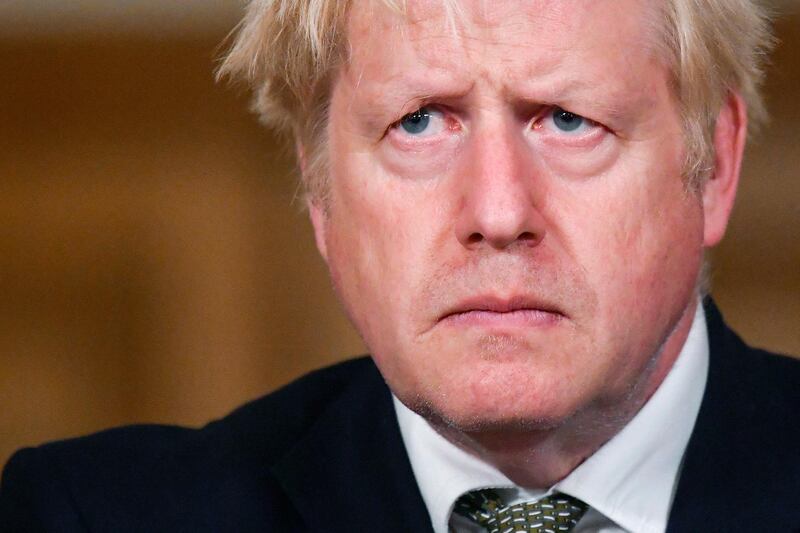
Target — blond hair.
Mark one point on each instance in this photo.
(289, 50)
(714, 48)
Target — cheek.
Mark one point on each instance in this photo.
(636, 228)
(658, 255)
(379, 230)
(578, 162)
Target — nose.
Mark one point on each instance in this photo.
(498, 206)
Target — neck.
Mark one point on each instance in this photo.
(539, 458)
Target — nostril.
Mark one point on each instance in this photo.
(528, 238)
(474, 238)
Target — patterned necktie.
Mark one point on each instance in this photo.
(553, 514)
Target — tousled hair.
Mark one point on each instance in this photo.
(288, 51)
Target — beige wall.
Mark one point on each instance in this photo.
(153, 263)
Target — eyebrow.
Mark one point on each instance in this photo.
(397, 94)
(403, 92)
(579, 94)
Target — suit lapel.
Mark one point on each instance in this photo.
(350, 472)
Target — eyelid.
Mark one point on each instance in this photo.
(547, 113)
(435, 123)
(411, 109)
(448, 124)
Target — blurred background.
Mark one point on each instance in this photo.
(155, 265)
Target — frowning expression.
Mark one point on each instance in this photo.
(507, 224)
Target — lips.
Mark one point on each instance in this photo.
(521, 310)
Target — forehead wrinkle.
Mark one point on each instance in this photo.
(452, 64)
(376, 80)
(437, 82)
(436, 46)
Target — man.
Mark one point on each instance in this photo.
(514, 199)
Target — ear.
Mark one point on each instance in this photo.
(315, 210)
(319, 220)
(719, 192)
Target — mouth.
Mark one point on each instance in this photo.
(492, 311)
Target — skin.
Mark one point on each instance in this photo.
(524, 288)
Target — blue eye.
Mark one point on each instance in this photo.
(416, 122)
(566, 121)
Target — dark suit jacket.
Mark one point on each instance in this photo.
(325, 454)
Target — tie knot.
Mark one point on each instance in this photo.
(553, 514)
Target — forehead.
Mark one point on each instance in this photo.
(510, 42)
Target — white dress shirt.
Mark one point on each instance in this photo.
(628, 483)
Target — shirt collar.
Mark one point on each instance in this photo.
(630, 479)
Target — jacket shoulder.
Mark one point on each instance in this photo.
(742, 462)
(152, 476)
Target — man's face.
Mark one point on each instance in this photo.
(521, 248)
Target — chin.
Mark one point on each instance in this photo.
(506, 379)
(485, 403)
